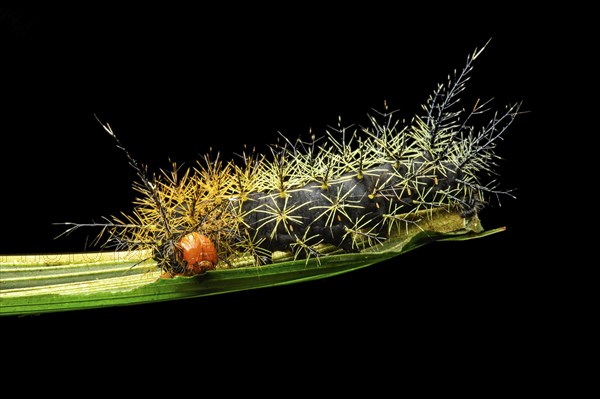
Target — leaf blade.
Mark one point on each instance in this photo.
(57, 283)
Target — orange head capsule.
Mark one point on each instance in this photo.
(198, 253)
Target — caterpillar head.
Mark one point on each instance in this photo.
(191, 254)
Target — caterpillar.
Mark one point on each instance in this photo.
(348, 189)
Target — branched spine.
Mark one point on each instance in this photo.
(352, 188)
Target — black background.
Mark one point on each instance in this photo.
(175, 83)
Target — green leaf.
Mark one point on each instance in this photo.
(34, 284)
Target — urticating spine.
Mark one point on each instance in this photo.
(352, 188)
(364, 184)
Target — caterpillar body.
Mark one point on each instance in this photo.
(351, 188)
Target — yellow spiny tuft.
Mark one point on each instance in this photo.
(349, 189)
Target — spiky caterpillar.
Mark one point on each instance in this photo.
(349, 189)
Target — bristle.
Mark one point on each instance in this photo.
(352, 188)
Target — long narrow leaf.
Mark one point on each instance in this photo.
(33, 284)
